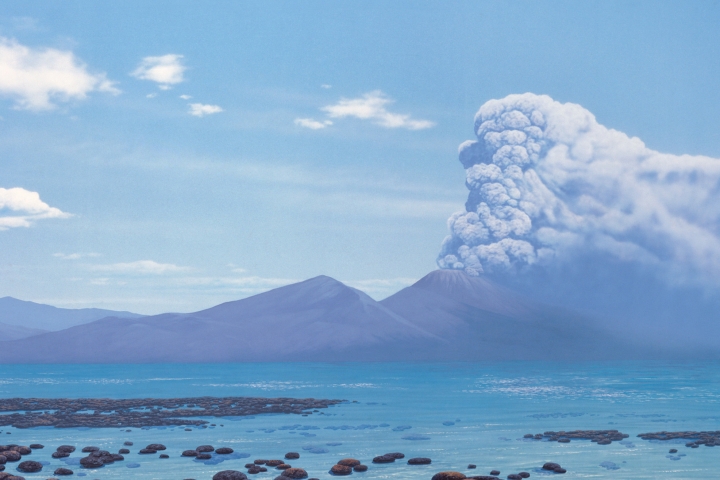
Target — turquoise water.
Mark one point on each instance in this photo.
(461, 413)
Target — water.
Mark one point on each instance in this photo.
(457, 414)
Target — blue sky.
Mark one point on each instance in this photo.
(161, 209)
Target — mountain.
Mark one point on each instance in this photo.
(45, 317)
(482, 321)
(445, 316)
(13, 332)
(319, 319)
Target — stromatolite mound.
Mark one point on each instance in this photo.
(229, 475)
(164, 455)
(12, 456)
(383, 459)
(7, 476)
(419, 461)
(360, 468)
(63, 471)
(156, 447)
(37, 446)
(206, 449)
(524, 475)
(295, 473)
(147, 451)
(203, 456)
(340, 470)
(22, 450)
(448, 476)
(123, 451)
(30, 466)
(60, 455)
(349, 462)
(283, 466)
(189, 453)
(90, 449)
(259, 461)
(395, 455)
(273, 463)
(224, 451)
(91, 462)
(555, 467)
(292, 455)
(65, 448)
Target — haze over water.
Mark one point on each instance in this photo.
(466, 413)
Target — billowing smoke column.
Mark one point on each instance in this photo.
(548, 182)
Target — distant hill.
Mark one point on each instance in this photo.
(13, 332)
(446, 316)
(45, 317)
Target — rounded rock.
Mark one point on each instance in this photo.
(203, 456)
(37, 446)
(123, 451)
(224, 451)
(229, 475)
(12, 456)
(360, 468)
(30, 466)
(292, 455)
(550, 466)
(524, 474)
(23, 450)
(206, 449)
(283, 466)
(273, 463)
(90, 449)
(448, 476)
(91, 462)
(189, 453)
(156, 447)
(419, 461)
(63, 471)
(147, 451)
(65, 448)
(164, 455)
(295, 473)
(395, 455)
(349, 462)
(383, 459)
(340, 470)
(128, 444)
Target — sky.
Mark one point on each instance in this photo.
(169, 156)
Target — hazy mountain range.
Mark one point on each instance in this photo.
(445, 316)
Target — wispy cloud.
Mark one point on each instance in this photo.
(372, 106)
(200, 110)
(25, 207)
(75, 256)
(165, 70)
(186, 97)
(312, 124)
(141, 267)
(38, 78)
(381, 287)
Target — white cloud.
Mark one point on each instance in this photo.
(38, 78)
(25, 207)
(142, 267)
(547, 181)
(326, 86)
(75, 256)
(186, 97)
(151, 95)
(200, 110)
(166, 70)
(371, 106)
(312, 124)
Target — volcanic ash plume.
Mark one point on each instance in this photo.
(548, 182)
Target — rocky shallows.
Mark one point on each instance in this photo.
(707, 438)
(144, 412)
(601, 437)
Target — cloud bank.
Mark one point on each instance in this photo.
(548, 182)
(371, 106)
(140, 267)
(200, 109)
(39, 78)
(166, 70)
(24, 208)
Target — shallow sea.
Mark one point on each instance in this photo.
(456, 414)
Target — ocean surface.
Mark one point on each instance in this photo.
(456, 414)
